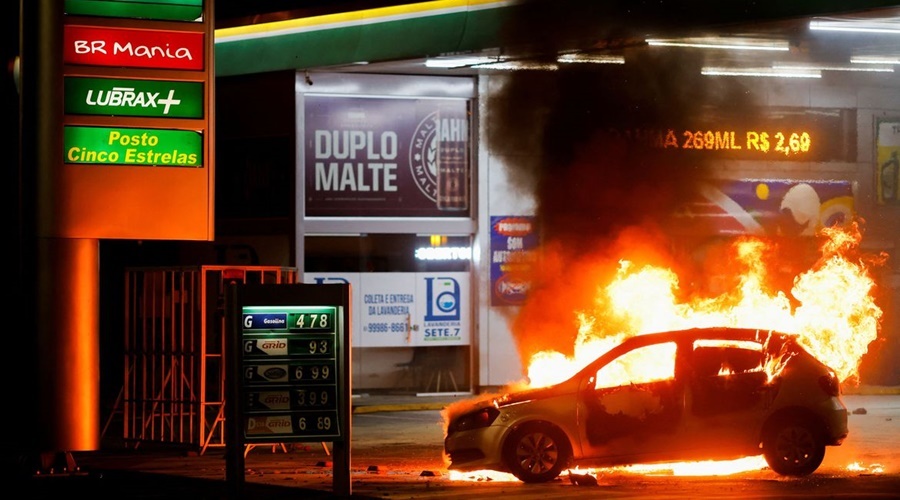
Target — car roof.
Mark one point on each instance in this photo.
(724, 333)
(691, 334)
(712, 333)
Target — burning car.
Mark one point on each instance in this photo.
(712, 394)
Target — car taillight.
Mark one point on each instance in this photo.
(830, 385)
(481, 418)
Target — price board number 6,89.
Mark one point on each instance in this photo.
(321, 423)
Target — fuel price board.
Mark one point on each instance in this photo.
(288, 370)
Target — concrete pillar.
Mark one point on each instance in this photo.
(68, 344)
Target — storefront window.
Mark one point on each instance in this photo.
(387, 253)
(412, 314)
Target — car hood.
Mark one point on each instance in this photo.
(532, 394)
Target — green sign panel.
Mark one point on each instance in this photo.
(133, 146)
(167, 10)
(118, 97)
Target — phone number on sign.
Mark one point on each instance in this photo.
(385, 327)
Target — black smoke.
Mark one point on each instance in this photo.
(582, 141)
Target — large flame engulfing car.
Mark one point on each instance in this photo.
(714, 393)
(573, 406)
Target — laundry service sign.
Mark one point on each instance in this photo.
(406, 309)
(386, 157)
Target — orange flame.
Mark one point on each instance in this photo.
(831, 308)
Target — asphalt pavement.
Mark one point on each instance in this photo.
(303, 470)
(158, 471)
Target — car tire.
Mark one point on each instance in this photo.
(536, 452)
(793, 447)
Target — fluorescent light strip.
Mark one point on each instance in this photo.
(762, 72)
(587, 58)
(722, 43)
(498, 62)
(517, 65)
(856, 26)
(819, 67)
(458, 62)
(875, 59)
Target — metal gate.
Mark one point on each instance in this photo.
(174, 386)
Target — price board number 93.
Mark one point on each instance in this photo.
(318, 346)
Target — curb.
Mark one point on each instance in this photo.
(399, 407)
(872, 390)
(864, 390)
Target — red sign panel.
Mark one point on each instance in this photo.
(133, 48)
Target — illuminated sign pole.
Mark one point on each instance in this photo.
(139, 75)
(289, 360)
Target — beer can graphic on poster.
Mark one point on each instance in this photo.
(452, 160)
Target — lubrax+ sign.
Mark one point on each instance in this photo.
(117, 97)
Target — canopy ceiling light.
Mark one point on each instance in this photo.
(501, 63)
(459, 62)
(884, 25)
(726, 43)
(760, 72)
(518, 65)
(832, 67)
(590, 58)
(875, 59)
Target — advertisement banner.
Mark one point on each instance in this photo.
(388, 309)
(887, 163)
(514, 241)
(132, 146)
(406, 309)
(352, 279)
(133, 48)
(778, 207)
(119, 97)
(380, 157)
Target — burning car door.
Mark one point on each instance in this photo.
(634, 406)
(727, 395)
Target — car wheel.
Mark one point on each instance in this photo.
(536, 453)
(793, 447)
